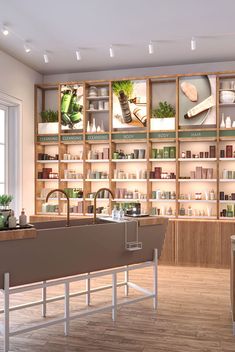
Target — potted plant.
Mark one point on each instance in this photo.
(49, 122)
(163, 117)
(5, 201)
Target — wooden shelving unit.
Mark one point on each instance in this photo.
(81, 142)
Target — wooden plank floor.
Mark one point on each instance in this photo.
(193, 315)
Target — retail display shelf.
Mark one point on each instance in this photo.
(162, 160)
(197, 180)
(97, 161)
(197, 159)
(128, 160)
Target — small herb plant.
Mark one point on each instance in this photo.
(126, 86)
(49, 116)
(163, 110)
(5, 200)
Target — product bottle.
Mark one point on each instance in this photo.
(190, 211)
(2, 221)
(23, 218)
(212, 195)
(140, 114)
(114, 213)
(222, 124)
(65, 101)
(73, 102)
(121, 214)
(182, 210)
(12, 220)
(228, 122)
(124, 103)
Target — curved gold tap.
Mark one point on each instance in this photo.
(61, 191)
(96, 195)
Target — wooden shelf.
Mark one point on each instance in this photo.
(227, 201)
(72, 161)
(105, 97)
(47, 161)
(227, 159)
(196, 201)
(96, 111)
(73, 199)
(48, 180)
(161, 160)
(162, 200)
(196, 159)
(121, 200)
(129, 160)
(97, 161)
(97, 179)
(162, 180)
(196, 217)
(197, 180)
(71, 180)
(227, 180)
(129, 179)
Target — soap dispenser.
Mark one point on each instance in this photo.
(12, 220)
(23, 218)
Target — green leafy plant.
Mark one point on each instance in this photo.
(49, 116)
(126, 86)
(5, 200)
(163, 110)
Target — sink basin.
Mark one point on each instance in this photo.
(73, 222)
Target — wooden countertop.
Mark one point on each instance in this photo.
(17, 234)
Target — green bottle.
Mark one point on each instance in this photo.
(73, 102)
(2, 221)
(76, 117)
(65, 101)
(65, 120)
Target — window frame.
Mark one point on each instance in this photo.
(6, 147)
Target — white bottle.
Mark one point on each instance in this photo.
(114, 213)
(222, 124)
(23, 218)
(121, 214)
(12, 220)
(228, 122)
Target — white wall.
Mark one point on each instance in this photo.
(17, 80)
(138, 72)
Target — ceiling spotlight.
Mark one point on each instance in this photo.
(78, 55)
(111, 52)
(46, 58)
(27, 48)
(5, 30)
(193, 43)
(151, 47)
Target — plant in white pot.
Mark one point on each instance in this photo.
(49, 122)
(163, 117)
(5, 201)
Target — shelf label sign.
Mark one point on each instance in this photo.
(227, 133)
(48, 138)
(162, 135)
(97, 137)
(128, 136)
(78, 137)
(196, 134)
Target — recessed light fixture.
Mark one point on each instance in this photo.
(151, 48)
(193, 44)
(5, 30)
(27, 48)
(46, 58)
(111, 51)
(78, 55)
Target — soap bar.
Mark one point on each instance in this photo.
(189, 90)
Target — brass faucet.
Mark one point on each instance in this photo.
(96, 195)
(61, 191)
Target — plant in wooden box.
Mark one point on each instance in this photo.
(163, 117)
(5, 201)
(49, 122)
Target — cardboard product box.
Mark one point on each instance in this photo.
(198, 174)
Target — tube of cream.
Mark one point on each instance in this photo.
(204, 105)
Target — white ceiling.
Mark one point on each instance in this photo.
(62, 26)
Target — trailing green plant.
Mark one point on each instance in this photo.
(126, 86)
(5, 200)
(49, 116)
(163, 110)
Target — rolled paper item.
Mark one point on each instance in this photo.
(204, 105)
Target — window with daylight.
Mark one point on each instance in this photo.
(3, 150)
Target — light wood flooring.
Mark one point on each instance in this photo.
(193, 315)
